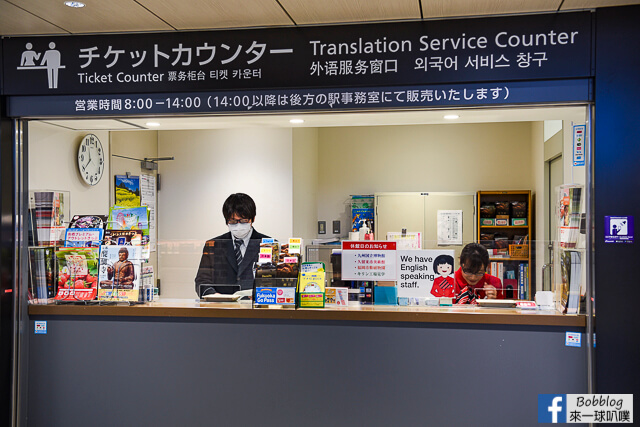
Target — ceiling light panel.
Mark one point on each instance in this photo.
(17, 21)
(592, 4)
(444, 8)
(202, 14)
(74, 4)
(330, 11)
(104, 16)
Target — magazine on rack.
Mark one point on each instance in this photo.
(136, 218)
(120, 273)
(83, 237)
(571, 274)
(569, 215)
(51, 214)
(41, 274)
(88, 221)
(77, 273)
(123, 237)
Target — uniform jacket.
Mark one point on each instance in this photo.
(218, 264)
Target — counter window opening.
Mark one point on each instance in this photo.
(412, 162)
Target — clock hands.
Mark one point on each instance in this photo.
(91, 152)
(90, 159)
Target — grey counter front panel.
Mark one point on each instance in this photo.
(105, 371)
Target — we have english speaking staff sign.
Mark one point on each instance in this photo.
(536, 47)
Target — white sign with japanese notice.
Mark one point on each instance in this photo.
(406, 240)
(427, 273)
(449, 227)
(369, 260)
(148, 199)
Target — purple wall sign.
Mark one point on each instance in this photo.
(618, 229)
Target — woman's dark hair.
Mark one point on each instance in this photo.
(442, 259)
(474, 257)
(240, 204)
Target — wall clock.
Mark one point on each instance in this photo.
(91, 159)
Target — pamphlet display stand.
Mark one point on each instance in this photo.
(570, 288)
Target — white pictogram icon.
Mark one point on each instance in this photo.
(50, 62)
(618, 227)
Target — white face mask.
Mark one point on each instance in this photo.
(240, 231)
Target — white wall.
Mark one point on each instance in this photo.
(460, 157)
(209, 165)
(53, 165)
(305, 183)
(136, 144)
(538, 138)
(551, 127)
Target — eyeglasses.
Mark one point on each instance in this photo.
(469, 273)
(238, 221)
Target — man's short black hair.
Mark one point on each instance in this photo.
(124, 251)
(474, 257)
(240, 204)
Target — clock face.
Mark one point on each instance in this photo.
(91, 159)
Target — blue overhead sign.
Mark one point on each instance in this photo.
(292, 100)
(494, 49)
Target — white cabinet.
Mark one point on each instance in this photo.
(418, 212)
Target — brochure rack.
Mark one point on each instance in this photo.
(569, 258)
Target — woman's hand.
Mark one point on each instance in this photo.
(490, 291)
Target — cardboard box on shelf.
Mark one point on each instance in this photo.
(487, 221)
(502, 221)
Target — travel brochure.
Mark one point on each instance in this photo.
(77, 273)
(120, 273)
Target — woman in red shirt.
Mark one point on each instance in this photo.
(471, 280)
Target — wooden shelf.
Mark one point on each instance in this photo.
(505, 226)
(510, 231)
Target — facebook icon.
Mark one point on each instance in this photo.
(552, 408)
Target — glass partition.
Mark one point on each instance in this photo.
(496, 181)
(429, 276)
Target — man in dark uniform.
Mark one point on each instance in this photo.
(228, 259)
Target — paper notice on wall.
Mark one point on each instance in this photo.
(450, 227)
(406, 240)
(148, 199)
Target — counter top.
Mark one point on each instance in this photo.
(370, 313)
